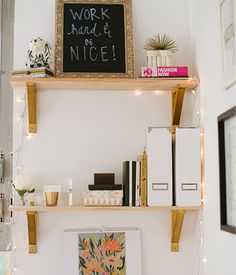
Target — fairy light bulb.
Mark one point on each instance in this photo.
(19, 99)
(138, 92)
(203, 200)
(19, 168)
(29, 136)
(158, 92)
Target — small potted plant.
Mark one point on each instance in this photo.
(160, 49)
(22, 188)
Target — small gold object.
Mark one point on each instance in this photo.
(32, 231)
(177, 103)
(32, 106)
(177, 222)
(51, 198)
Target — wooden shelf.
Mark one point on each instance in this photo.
(177, 86)
(101, 208)
(177, 218)
(52, 83)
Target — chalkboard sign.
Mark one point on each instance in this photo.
(94, 39)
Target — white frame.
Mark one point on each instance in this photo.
(228, 70)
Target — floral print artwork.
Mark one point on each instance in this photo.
(102, 253)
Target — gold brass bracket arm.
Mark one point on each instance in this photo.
(177, 104)
(177, 215)
(177, 222)
(32, 106)
(32, 231)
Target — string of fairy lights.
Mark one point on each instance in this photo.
(22, 136)
(201, 251)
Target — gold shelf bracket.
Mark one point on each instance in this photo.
(177, 104)
(177, 222)
(32, 106)
(32, 231)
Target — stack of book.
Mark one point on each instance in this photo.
(35, 72)
(135, 181)
(166, 71)
(104, 191)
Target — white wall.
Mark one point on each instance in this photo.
(219, 247)
(80, 133)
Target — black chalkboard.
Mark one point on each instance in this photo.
(94, 38)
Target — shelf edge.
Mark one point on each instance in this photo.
(108, 208)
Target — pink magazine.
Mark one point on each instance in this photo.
(173, 71)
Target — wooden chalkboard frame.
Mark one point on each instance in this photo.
(128, 33)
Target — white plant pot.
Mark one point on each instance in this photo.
(159, 58)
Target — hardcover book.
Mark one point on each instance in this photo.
(137, 184)
(143, 178)
(35, 72)
(130, 182)
(166, 71)
(126, 183)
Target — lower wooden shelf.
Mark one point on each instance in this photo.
(16, 208)
(178, 214)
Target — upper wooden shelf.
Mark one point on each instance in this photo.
(177, 86)
(52, 83)
(104, 208)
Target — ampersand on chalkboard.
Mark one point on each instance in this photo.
(107, 30)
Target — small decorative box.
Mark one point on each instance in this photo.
(103, 198)
(105, 186)
(104, 178)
